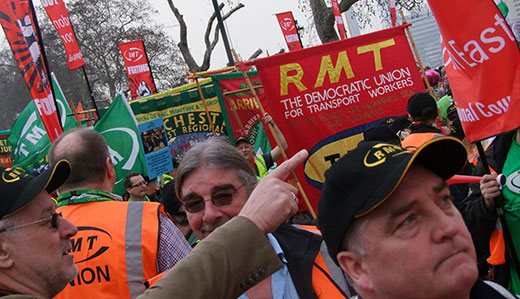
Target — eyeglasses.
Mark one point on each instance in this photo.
(196, 203)
(54, 219)
(138, 184)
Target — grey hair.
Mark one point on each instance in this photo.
(215, 153)
(8, 222)
(353, 241)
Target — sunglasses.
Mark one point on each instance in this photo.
(196, 203)
(54, 219)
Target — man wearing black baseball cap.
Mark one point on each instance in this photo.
(35, 257)
(387, 218)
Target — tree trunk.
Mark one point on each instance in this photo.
(324, 18)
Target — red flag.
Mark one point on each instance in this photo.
(483, 65)
(339, 19)
(18, 23)
(138, 69)
(393, 16)
(323, 98)
(59, 17)
(286, 21)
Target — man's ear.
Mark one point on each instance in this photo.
(354, 266)
(6, 260)
(110, 171)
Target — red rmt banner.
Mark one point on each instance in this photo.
(290, 34)
(59, 17)
(483, 65)
(17, 21)
(138, 69)
(323, 98)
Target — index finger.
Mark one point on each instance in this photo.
(282, 171)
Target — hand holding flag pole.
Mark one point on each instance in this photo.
(240, 65)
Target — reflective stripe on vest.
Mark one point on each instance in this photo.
(115, 248)
(328, 280)
(261, 166)
(413, 141)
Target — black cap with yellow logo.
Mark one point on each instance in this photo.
(18, 188)
(365, 177)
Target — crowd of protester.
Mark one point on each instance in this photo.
(389, 226)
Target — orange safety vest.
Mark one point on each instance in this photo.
(413, 141)
(115, 248)
(324, 281)
(327, 277)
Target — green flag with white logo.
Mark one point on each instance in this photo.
(119, 127)
(29, 140)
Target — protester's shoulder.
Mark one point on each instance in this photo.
(500, 289)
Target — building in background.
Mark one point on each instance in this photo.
(427, 39)
(513, 17)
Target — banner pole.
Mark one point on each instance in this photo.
(417, 55)
(276, 139)
(499, 208)
(204, 103)
(226, 98)
(425, 79)
(75, 112)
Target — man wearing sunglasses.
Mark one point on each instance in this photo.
(120, 244)
(35, 248)
(214, 182)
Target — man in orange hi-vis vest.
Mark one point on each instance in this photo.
(213, 183)
(119, 245)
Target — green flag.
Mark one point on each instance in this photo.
(29, 140)
(119, 127)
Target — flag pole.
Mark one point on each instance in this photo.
(90, 91)
(204, 103)
(276, 138)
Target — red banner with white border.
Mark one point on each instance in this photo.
(482, 61)
(138, 69)
(59, 17)
(17, 21)
(289, 31)
(323, 98)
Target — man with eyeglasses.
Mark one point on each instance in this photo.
(36, 258)
(120, 245)
(136, 187)
(35, 248)
(214, 182)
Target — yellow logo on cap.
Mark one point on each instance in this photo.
(11, 175)
(380, 152)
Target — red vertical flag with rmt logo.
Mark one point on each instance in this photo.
(59, 17)
(339, 19)
(483, 65)
(18, 23)
(288, 26)
(138, 69)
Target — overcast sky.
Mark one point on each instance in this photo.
(250, 28)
